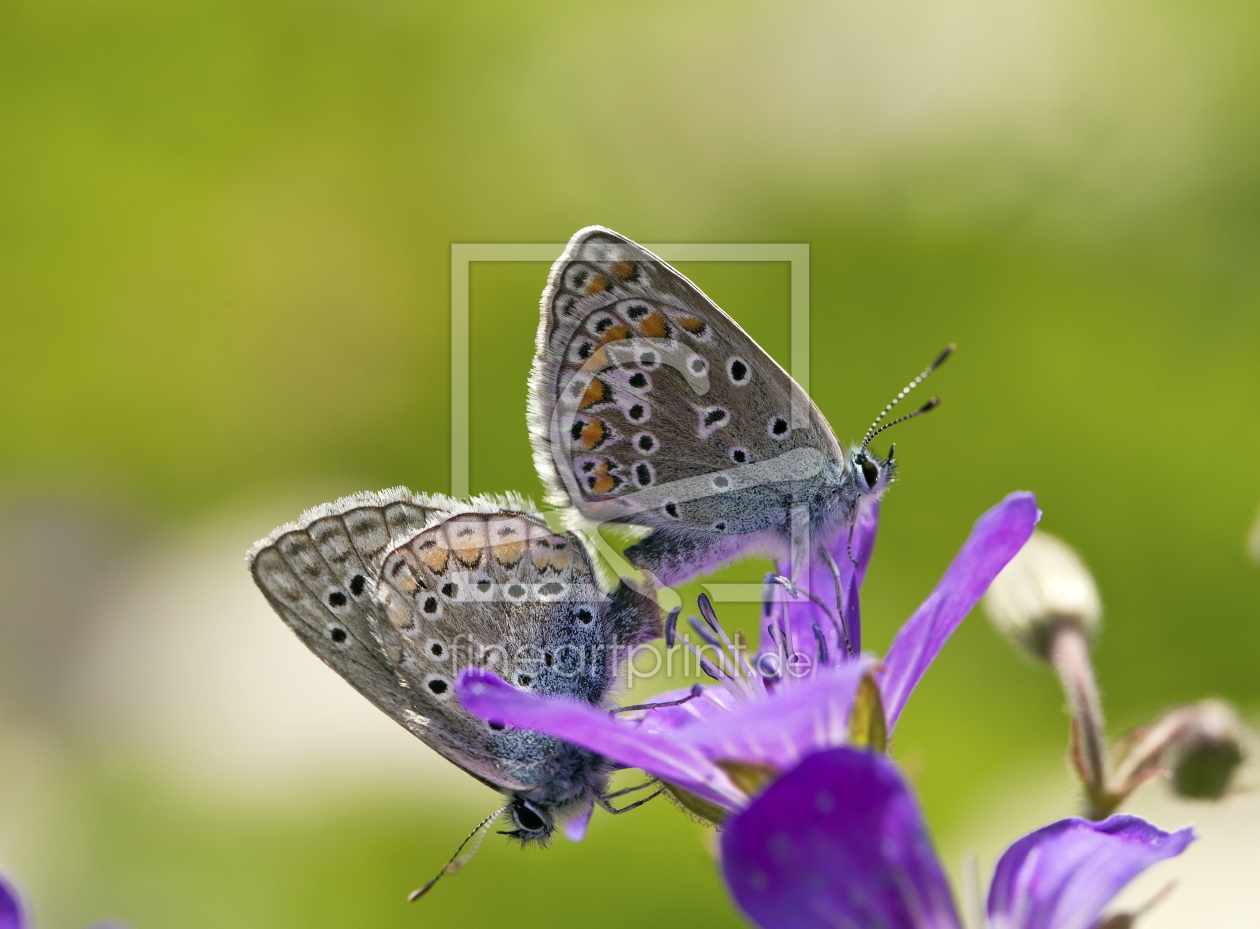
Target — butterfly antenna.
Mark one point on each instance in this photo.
(461, 857)
(876, 429)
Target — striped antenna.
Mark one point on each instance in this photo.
(876, 429)
(460, 858)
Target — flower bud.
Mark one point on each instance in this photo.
(1207, 750)
(1043, 587)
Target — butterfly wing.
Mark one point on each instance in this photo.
(398, 592)
(650, 406)
(322, 574)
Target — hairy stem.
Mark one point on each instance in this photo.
(1069, 653)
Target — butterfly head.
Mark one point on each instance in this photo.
(532, 821)
(872, 475)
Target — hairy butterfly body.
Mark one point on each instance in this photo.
(649, 406)
(397, 592)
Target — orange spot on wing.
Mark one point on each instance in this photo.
(615, 333)
(435, 556)
(544, 548)
(596, 392)
(507, 539)
(604, 483)
(550, 557)
(469, 556)
(654, 326)
(622, 270)
(598, 284)
(602, 480)
(468, 539)
(597, 362)
(593, 434)
(398, 570)
(509, 553)
(692, 325)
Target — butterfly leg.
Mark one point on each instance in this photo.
(603, 802)
(787, 584)
(696, 690)
(835, 574)
(795, 591)
(629, 790)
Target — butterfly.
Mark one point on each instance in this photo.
(649, 406)
(398, 592)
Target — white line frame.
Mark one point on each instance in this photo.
(463, 254)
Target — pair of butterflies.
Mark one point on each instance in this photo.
(648, 407)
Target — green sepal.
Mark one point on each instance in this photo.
(702, 809)
(868, 726)
(751, 778)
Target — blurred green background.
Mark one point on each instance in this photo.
(224, 292)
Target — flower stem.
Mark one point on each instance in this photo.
(1069, 653)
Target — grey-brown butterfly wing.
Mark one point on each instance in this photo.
(497, 589)
(651, 406)
(321, 575)
(398, 592)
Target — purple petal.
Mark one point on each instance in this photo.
(837, 841)
(997, 536)
(483, 693)
(10, 908)
(780, 730)
(804, 614)
(776, 730)
(1062, 876)
(851, 611)
(863, 543)
(575, 828)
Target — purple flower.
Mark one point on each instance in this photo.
(10, 908)
(797, 694)
(840, 841)
(12, 917)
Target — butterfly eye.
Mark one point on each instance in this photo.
(870, 472)
(527, 817)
